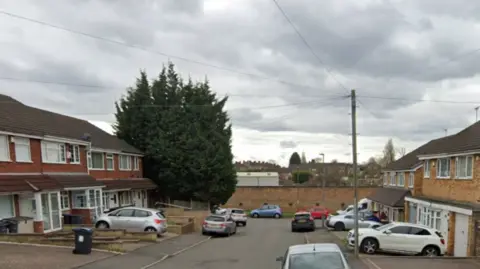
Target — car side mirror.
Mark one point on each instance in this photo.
(387, 232)
(279, 259)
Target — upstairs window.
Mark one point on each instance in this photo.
(74, 154)
(4, 148)
(411, 180)
(125, 162)
(22, 149)
(464, 167)
(96, 161)
(443, 168)
(136, 163)
(401, 179)
(54, 152)
(385, 179)
(426, 169)
(393, 180)
(110, 162)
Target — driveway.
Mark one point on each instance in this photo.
(254, 246)
(44, 257)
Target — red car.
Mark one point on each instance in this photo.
(318, 212)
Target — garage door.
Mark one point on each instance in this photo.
(461, 235)
(6, 206)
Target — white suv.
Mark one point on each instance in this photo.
(238, 215)
(400, 237)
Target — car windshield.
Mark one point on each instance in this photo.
(237, 211)
(215, 219)
(319, 260)
(302, 216)
(384, 227)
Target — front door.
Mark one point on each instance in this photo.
(412, 215)
(51, 211)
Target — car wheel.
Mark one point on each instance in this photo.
(255, 215)
(150, 229)
(277, 216)
(369, 245)
(293, 230)
(102, 225)
(339, 226)
(430, 251)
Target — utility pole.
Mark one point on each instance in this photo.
(476, 113)
(323, 187)
(354, 152)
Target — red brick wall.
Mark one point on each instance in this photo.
(116, 173)
(36, 166)
(38, 227)
(85, 213)
(253, 197)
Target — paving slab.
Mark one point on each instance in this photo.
(14, 256)
(148, 254)
(377, 262)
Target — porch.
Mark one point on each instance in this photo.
(124, 192)
(391, 202)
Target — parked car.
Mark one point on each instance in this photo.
(219, 224)
(400, 237)
(347, 222)
(268, 211)
(134, 219)
(303, 221)
(220, 211)
(312, 255)
(319, 212)
(238, 215)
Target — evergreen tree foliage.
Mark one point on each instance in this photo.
(295, 159)
(185, 132)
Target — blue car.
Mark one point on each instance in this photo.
(267, 211)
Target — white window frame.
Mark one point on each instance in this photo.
(385, 179)
(466, 170)
(74, 198)
(401, 179)
(12, 200)
(91, 161)
(429, 217)
(129, 163)
(24, 142)
(54, 146)
(64, 200)
(426, 169)
(6, 144)
(74, 153)
(86, 194)
(411, 179)
(136, 163)
(393, 179)
(108, 157)
(439, 168)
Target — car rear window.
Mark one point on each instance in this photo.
(215, 219)
(438, 234)
(238, 211)
(318, 260)
(160, 215)
(302, 216)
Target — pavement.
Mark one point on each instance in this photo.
(16, 256)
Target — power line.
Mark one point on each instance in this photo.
(115, 42)
(419, 100)
(304, 41)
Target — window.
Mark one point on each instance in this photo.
(4, 148)
(6, 206)
(106, 200)
(401, 179)
(136, 163)
(141, 214)
(22, 149)
(53, 152)
(110, 162)
(392, 179)
(125, 213)
(443, 168)
(64, 200)
(400, 230)
(385, 179)
(419, 231)
(79, 199)
(411, 180)
(89, 160)
(97, 160)
(125, 162)
(426, 169)
(316, 260)
(464, 167)
(74, 154)
(430, 218)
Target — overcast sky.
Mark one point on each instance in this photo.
(413, 63)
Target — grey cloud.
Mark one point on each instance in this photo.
(288, 144)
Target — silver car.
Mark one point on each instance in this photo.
(219, 224)
(323, 255)
(133, 219)
(347, 221)
(238, 215)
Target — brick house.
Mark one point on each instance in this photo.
(50, 163)
(448, 197)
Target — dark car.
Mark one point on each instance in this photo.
(303, 221)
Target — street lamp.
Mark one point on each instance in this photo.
(323, 187)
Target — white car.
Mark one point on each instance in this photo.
(311, 255)
(399, 237)
(220, 211)
(238, 215)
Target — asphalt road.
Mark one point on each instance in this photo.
(254, 246)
